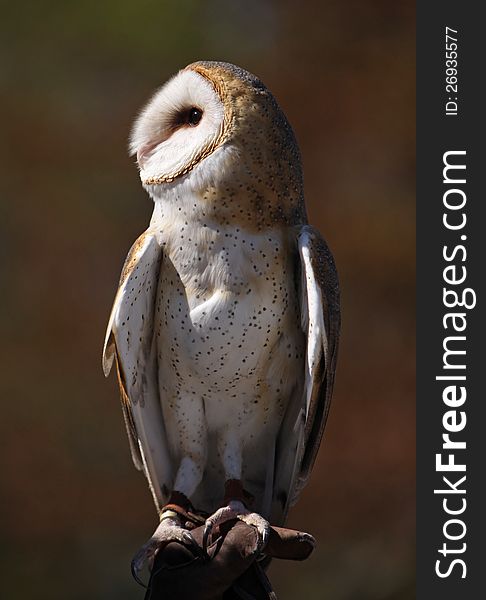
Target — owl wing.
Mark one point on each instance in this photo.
(129, 343)
(303, 426)
(321, 320)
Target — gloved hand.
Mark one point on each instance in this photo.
(233, 569)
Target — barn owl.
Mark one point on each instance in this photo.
(225, 326)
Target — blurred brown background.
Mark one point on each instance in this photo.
(72, 76)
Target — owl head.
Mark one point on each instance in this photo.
(216, 120)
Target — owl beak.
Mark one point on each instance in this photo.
(143, 153)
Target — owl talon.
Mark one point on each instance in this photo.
(208, 529)
(261, 525)
(237, 510)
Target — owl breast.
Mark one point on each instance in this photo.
(230, 348)
(227, 321)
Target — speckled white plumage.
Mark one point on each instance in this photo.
(229, 352)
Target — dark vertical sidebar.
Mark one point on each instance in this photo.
(451, 258)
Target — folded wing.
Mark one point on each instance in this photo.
(304, 424)
(129, 343)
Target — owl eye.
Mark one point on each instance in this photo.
(194, 116)
(188, 117)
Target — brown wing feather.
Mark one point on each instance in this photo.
(128, 416)
(303, 425)
(129, 343)
(326, 277)
(110, 355)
